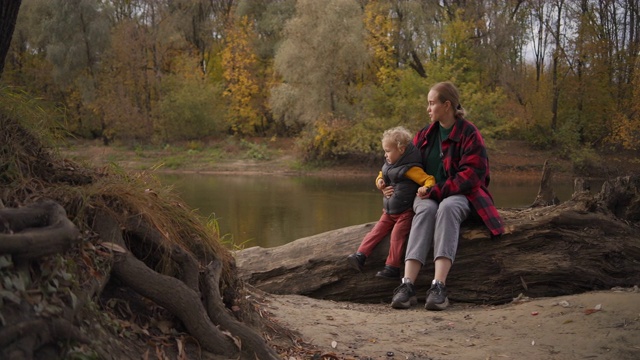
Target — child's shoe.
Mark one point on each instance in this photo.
(357, 260)
(389, 272)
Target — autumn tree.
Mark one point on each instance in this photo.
(129, 79)
(197, 21)
(393, 86)
(319, 60)
(380, 31)
(269, 18)
(67, 39)
(239, 62)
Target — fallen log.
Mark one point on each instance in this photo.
(587, 243)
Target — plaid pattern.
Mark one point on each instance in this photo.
(467, 166)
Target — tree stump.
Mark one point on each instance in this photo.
(546, 196)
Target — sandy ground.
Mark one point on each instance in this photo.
(594, 325)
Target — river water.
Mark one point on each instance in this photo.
(269, 211)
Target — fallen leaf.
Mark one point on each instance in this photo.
(113, 247)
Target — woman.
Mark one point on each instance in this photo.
(453, 151)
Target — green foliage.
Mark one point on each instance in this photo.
(175, 162)
(339, 138)
(195, 145)
(585, 162)
(255, 151)
(76, 34)
(322, 54)
(401, 100)
(227, 240)
(483, 107)
(270, 19)
(35, 114)
(540, 137)
(190, 109)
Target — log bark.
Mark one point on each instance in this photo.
(587, 243)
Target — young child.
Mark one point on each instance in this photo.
(403, 171)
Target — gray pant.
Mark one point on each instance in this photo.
(437, 224)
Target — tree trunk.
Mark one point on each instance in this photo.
(8, 14)
(584, 244)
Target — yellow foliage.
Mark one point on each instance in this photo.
(626, 126)
(239, 63)
(380, 40)
(625, 132)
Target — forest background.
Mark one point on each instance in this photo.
(331, 74)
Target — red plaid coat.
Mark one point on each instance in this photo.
(467, 166)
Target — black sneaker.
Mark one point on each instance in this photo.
(404, 296)
(357, 260)
(437, 296)
(389, 272)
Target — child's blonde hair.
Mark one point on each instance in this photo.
(399, 135)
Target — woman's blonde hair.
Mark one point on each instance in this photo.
(448, 92)
(399, 135)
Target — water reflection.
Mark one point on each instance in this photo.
(274, 210)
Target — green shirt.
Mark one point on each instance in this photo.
(434, 158)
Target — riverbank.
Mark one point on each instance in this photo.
(508, 158)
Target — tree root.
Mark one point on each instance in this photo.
(176, 297)
(189, 267)
(36, 230)
(193, 296)
(181, 298)
(250, 340)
